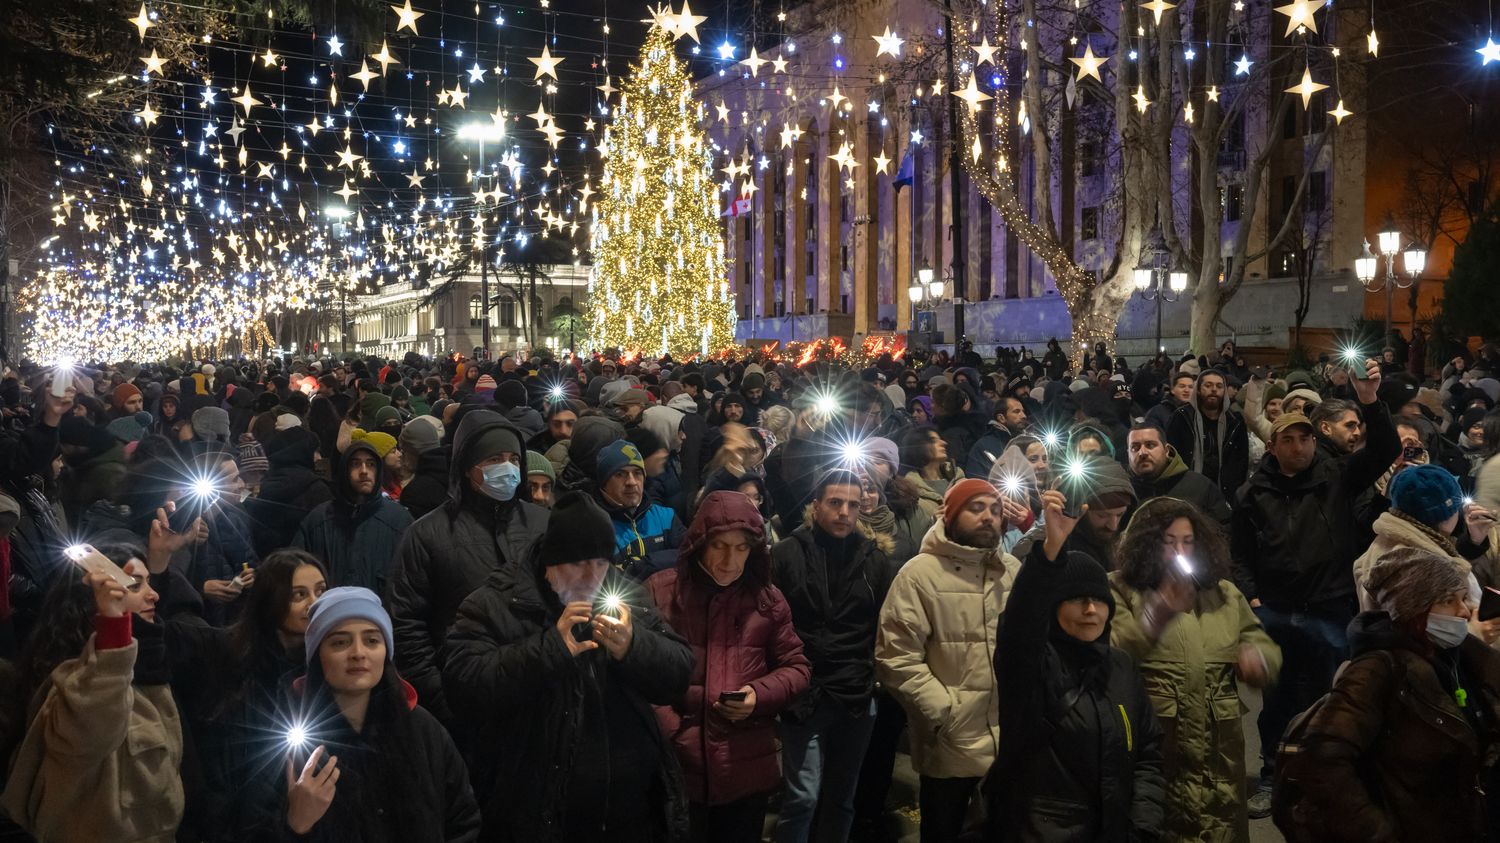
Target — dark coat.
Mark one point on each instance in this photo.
(836, 611)
(446, 555)
(1176, 480)
(1080, 746)
(511, 676)
(1295, 539)
(428, 488)
(741, 635)
(1184, 434)
(289, 491)
(1390, 756)
(960, 432)
(356, 540)
(983, 453)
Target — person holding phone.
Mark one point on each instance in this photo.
(101, 754)
(558, 682)
(1195, 639)
(380, 767)
(1080, 746)
(748, 665)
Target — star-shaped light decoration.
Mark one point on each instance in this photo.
(1307, 87)
(1372, 43)
(1213, 93)
(1339, 112)
(778, 65)
(541, 116)
(845, 157)
(247, 100)
(1300, 13)
(347, 157)
(458, 96)
(1242, 65)
(546, 64)
(142, 21)
(1156, 8)
(148, 114)
(836, 97)
(687, 22)
(1141, 103)
(1089, 64)
(888, 44)
(154, 63)
(347, 191)
(406, 17)
(607, 89)
(365, 74)
(1187, 112)
(1489, 52)
(235, 129)
(265, 170)
(972, 95)
(753, 61)
(882, 163)
(788, 135)
(269, 59)
(335, 46)
(415, 180)
(384, 57)
(314, 126)
(476, 74)
(984, 52)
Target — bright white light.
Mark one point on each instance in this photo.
(1050, 439)
(204, 488)
(1351, 354)
(557, 392)
(853, 452)
(1468, 500)
(338, 212)
(827, 405)
(1010, 484)
(1184, 565)
(479, 131)
(76, 552)
(1077, 469)
(296, 737)
(726, 50)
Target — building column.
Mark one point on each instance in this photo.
(763, 279)
(830, 195)
(866, 229)
(796, 223)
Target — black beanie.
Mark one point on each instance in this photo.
(577, 529)
(510, 393)
(645, 441)
(1082, 577)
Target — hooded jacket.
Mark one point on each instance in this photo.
(1295, 539)
(741, 635)
(1190, 676)
(448, 553)
(428, 488)
(289, 492)
(1185, 433)
(1390, 756)
(534, 705)
(356, 539)
(646, 535)
(930, 655)
(1393, 530)
(1176, 480)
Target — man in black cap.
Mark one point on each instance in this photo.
(557, 662)
(484, 526)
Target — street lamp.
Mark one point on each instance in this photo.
(1156, 279)
(482, 133)
(1367, 265)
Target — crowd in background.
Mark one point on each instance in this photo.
(530, 600)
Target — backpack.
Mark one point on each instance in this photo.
(1298, 822)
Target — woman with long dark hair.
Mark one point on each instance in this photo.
(925, 461)
(380, 767)
(1195, 639)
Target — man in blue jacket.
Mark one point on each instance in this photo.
(646, 534)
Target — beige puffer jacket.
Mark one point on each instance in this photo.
(935, 651)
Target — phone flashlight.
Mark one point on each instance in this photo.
(1184, 565)
(296, 737)
(1468, 500)
(827, 405)
(557, 392)
(854, 453)
(203, 488)
(1050, 439)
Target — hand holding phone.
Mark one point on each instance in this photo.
(735, 706)
(94, 562)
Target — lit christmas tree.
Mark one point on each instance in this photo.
(659, 283)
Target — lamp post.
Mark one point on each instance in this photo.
(480, 133)
(1154, 281)
(925, 293)
(1367, 265)
(5, 318)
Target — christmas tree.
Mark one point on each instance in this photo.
(659, 283)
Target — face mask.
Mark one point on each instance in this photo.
(501, 480)
(1447, 631)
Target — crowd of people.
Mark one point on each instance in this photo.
(532, 600)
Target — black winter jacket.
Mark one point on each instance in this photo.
(1184, 434)
(1295, 539)
(428, 488)
(1080, 746)
(356, 539)
(444, 557)
(836, 611)
(509, 673)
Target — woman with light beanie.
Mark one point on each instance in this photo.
(363, 760)
(1401, 748)
(1426, 507)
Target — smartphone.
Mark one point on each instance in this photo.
(583, 632)
(1412, 453)
(94, 562)
(732, 696)
(1489, 604)
(62, 381)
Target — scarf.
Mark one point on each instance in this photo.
(881, 522)
(1443, 541)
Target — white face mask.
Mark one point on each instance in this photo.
(1447, 631)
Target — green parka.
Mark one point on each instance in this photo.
(1190, 677)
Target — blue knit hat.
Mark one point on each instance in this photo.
(1427, 493)
(616, 457)
(345, 603)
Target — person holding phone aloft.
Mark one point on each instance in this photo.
(748, 665)
(1195, 639)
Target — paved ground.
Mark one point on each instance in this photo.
(904, 788)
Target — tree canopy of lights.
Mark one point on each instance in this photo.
(659, 281)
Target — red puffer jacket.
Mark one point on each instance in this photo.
(740, 635)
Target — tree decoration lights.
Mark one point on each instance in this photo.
(659, 282)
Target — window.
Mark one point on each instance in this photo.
(476, 312)
(1317, 192)
(1288, 193)
(1088, 224)
(507, 313)
(1317, 114)
(1091, 157)
(1234, 202)
(1289, 124)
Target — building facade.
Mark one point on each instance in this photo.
(819, 248)
(449, 319)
